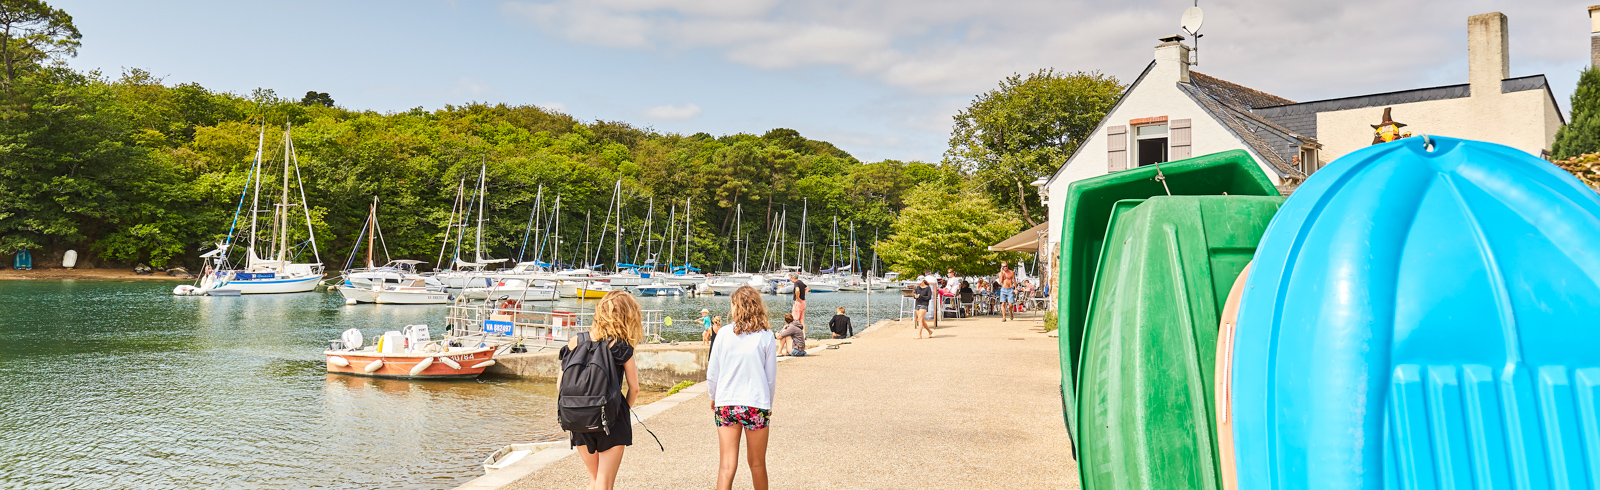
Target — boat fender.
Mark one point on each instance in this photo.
(338, 361)
(483, 364)
(374, 366)
(448, 362)
(422, 366)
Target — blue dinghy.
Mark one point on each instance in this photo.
(23, 261)
(1422, 314)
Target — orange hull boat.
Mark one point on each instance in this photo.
(458, 364)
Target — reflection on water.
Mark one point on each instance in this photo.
(109, 384)
(114, 384)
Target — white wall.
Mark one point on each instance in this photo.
(1157, 95)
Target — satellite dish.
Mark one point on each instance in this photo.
(1192, 17)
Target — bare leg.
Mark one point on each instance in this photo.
(728, 452)
(921, 323)
(756, 452)
(610, 460)
(590, 461)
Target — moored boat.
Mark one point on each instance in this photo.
(396, 356)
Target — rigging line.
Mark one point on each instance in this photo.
(304, 205)
(356, 249)
(379, 227)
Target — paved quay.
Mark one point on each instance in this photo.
(974, 407)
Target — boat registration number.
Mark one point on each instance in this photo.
(497, 327)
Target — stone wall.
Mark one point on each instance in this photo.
(660, 365)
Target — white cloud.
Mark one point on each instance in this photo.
(674, 112)
(467, 87)
(1297, 49)
(554, 106)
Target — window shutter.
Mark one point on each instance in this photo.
(1117, 148)
(1181, 139)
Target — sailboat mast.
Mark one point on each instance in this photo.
(800, 257)
(461, 229)
(477, 250)
(588, 249)
(255, 205)
(283, 205)
(738, 224)
(532, 216)
(372, 229)
(555, 236)
(672, 239)
(616, 248)
(686, 234)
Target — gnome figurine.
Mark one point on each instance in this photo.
(1388, 130)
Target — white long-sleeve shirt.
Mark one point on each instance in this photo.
(743, 369)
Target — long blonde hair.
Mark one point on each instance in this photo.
(617, 317)
(749, 313)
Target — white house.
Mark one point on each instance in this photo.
(1171, 113)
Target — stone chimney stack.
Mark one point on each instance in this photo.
(1594, 35)
(1172, 60)
(1488, 56)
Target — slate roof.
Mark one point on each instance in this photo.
(1302, 117)
(1231, 104)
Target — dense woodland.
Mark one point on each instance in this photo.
(134, 170)
(129, 168)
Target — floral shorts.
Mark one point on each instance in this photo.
(750, 417)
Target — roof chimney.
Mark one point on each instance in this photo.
(1172, 60)
(1488, 59)
(1594, 35)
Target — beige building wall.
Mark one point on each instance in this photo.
(1525, 120)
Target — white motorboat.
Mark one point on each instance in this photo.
(661, 289)
(392, 272)
(819, 285)
(410, 291)
(511, 288)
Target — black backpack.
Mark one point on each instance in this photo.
(588, 387)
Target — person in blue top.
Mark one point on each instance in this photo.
(710, 331)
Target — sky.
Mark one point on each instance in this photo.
(880, 79)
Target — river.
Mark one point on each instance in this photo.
(121, 384)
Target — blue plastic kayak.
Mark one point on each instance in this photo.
(1423, 316)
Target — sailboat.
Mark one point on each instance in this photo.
(463, 274)
(395, 283)
(280, 274)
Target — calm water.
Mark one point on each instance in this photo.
(119, 384)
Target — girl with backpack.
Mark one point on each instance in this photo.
(740, 378)
(590, 404)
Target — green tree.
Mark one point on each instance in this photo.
(946, 227)
(317, 98)
(1025, 129)
(31, 31)
(1582, 135)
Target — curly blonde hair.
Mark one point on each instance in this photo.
(617, 317)
(749, 312)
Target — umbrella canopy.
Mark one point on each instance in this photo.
(1027, 241)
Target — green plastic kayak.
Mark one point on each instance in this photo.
(1145, 395)
(1087, 210)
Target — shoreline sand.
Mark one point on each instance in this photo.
(59, 274)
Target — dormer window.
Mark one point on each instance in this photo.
(1150, 144)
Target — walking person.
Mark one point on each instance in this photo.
(924, 294)
(741, 377)
(618, 326)
(799, 310)
(1008, 292)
